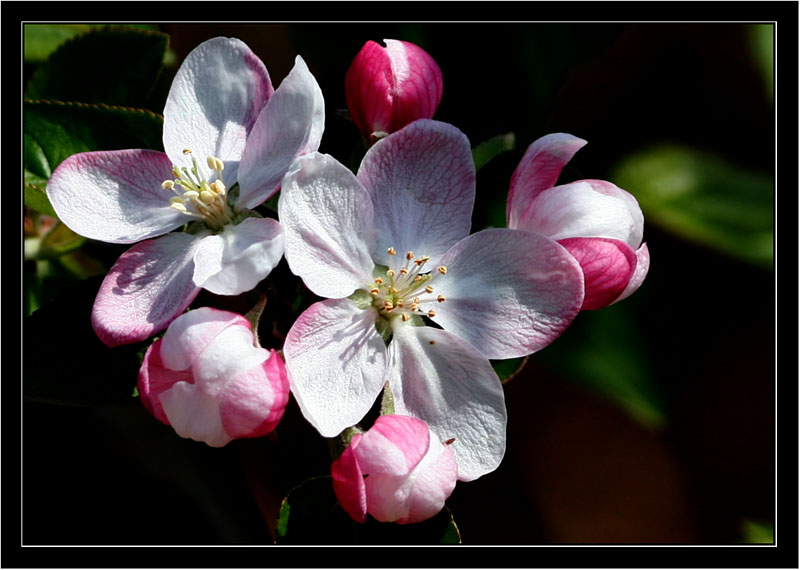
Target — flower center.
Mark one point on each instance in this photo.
(407, 290)
(195, 197)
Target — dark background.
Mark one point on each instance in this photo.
(580, 466)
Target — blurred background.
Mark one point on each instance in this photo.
(648, 422)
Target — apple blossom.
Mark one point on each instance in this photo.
(397, 471)
(388, 87)
(208, 380)
(229, 139)
(390, 250)
(599, 223)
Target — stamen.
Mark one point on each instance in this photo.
(405, 317)
(429, 288)
(403, 271)
(431, 313)
(390, 273)
(394, 290)
(378, 280)
(168, 184)
(450, 441)
(374, 291)
(388, 305)
(207, 197)
(418, 278)
(187, 151)
(178, 206)
(391, 251)
(441, 298)
(432, 342)
(410, 255)
(442, 269)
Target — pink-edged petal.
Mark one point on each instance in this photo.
(190, 335)
(252, 403)
(634, 238)
(417, 88)
(642, 267)
(114, 196)
(509, 293)
(155, 378)
(336, 362)
(230, 353)
(215, 98)
(368, 82)
(193, 412)
(422, 182)
(329, 226)
(148, 286)
(348, 483)
(237, 259)
(539, 170)
(578, 210)
(394, 445)
(607, 265)
(442, 380)
(416, 497)
(290, 125)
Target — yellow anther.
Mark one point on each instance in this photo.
(391, 251)
(394, 291)
(178, 206)
(405, 317)
(410, 255)
(168, 184)
(390, 273)
(414, 306)
(218, 187)
(431, 313)
(422, 260)
(418, 278)
(378, 280)
(187, 151)
(429, 288)
(403, 271)
(442, 269)
(399, 303)
(189, 194)
(415, 299)
(175, 200)
(205, 186)
(441, 298)
(207, 197)
(388, 305)
(215, 164)
(374, 291)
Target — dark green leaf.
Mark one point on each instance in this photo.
(40, 40)
(487, 150)
(111, 65)
(757, 532)
(763, 50)
(53, 131)
(507, 369)
(310, 514)
(58, 241)
(703, 198)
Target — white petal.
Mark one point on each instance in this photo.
(290, 125)
(241, 256)
(194, 414)
(190, 334)
(422, 182)
(508, 292)
(215, 98)
(115, 196)
(442, 380)
(336, 362)
(328, 220)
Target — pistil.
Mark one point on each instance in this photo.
(196, 197)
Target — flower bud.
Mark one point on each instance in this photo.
(208, 380)
(387, 88)
(398, 471)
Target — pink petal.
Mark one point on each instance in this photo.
(148, 286)
(433, 483)
(417, 88)
(422, 183)
(367, 85)
(336, 362)
(442, 380)
(155, 378)
(215, 98)
(329, 227)
(252, 403)
(607, 265)
(190, 335)
(240, 257)
(290, 125)
(539, 170)
(348, 483)
(115, 196)
(509, 293)
(634, 237)
(642, 266)
(394, 445)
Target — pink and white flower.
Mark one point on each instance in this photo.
(390, 250)
(386, 88)
(229, 139)
(208, 380)
(599, 223)
(397, 471)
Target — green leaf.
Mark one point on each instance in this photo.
(601, 350)
(757, 532)
(487, 150)
(52, 131)
(507, 369)
(111, 65)
(40, 40)
(310, 514)
(701, 197)
(763, 50)
(59, 241)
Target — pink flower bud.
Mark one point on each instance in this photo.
(387, 88)
(208, 380)
(398, 471)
